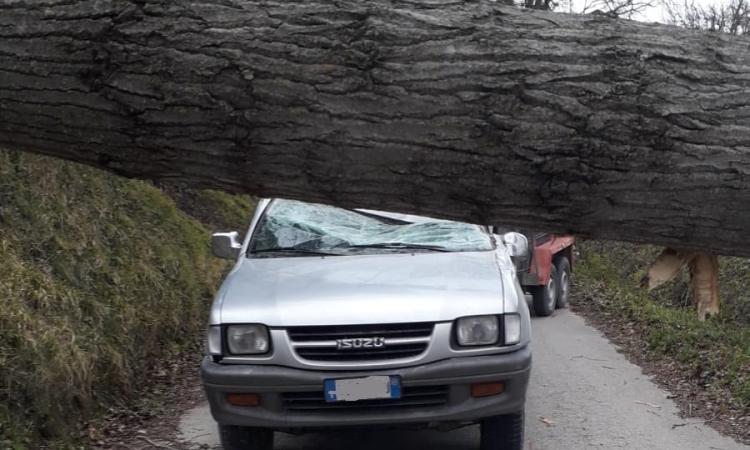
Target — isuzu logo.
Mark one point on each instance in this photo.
(354, 343)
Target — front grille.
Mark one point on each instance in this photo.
(320, 343)
(411, 397)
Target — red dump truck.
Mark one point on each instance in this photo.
(545, 273)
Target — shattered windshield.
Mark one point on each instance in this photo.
(305, 229)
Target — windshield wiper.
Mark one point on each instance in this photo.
(299, 250)
(401, 246)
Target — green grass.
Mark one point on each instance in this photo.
(717, 350)
(215, 209)
(99, 277)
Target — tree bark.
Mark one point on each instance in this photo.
(467, 110)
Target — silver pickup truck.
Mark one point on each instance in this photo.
(336, 318)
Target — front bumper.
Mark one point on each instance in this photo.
(453, 376)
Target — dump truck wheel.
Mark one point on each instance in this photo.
(563, 282)
(545, 297)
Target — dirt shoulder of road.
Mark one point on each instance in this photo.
(689, 390)
(153, 423)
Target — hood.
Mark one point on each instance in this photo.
(382, 288)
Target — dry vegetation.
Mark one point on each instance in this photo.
(100, 277)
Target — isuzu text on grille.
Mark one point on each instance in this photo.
(347, 343)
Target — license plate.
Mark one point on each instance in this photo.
(366, 388)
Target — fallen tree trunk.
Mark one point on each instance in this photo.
(467, 110)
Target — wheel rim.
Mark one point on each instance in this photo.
(565, 288)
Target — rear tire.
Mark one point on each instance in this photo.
(563, 282)
(245, 438)
(502, 432)
(545, 297)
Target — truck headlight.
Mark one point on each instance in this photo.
(477, 330)
(247, 339)
(512, 327)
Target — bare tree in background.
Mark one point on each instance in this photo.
(733, 18)
(613, 8)
(540, 4)
(617, 8)
(546, 5)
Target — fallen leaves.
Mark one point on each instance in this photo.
(648, 404)
(547, 421)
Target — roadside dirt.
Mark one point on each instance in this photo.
(152, 424)
(695, 397)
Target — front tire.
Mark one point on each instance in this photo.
(245, 438)
(545, 297)
(502, 432)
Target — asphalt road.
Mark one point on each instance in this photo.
(583, 395)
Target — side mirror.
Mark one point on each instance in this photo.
(226, 245)
(517, 244)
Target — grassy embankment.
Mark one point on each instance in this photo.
(717, 351)
(99, 278)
